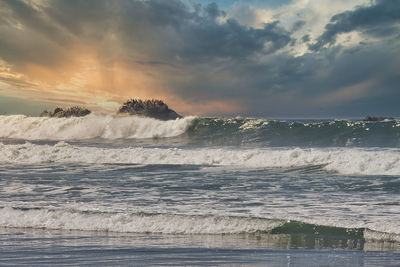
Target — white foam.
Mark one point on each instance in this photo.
(132, 223)
(374, 235)
(123, 222)
(88, 127)
(342, 160)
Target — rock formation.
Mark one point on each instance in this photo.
(65, 113)
(149, 108)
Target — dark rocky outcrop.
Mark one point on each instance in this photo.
(149, 108)
(65, 113)
(369, 118)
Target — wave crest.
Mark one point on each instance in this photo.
(205, 131)
(89, 127)
(131, 222)
(123, 222)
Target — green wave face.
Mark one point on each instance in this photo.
(260, 132)
(294, 227)
(305, 235)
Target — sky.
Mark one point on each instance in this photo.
(272, 58)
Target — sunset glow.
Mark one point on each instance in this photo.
(236, 58)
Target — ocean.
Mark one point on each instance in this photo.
(106, 190)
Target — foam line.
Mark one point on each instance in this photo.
(131, 222)
(61, 219)
(341, 160)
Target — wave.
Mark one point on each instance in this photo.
(205, 131)
(131, 222)
(271, 133)
(59, 219)
(364, 161)
(89, 127)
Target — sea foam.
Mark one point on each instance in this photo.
(125, 222)
(131, 222)
(365, 161)
(89, 127)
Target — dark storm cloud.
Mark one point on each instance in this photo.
(170, 29)
(305, 38)
(335, 81)
(27, 36)
(325, 83)
(201, 55)
(27, 15)
(377, 20)
(298, 25)
(198, 33)
(231, 40)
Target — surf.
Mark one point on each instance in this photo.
(164, 223)
(89, 127)
(352, 161)
(243, 132)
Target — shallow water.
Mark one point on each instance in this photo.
(43, 247)
(201, 191)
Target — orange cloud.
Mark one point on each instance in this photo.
(86, 79)
(211, 107)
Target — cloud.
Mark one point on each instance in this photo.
(298, 25)
(231, 40)
(44, 43)
(305, 38)
(199, 58)
(380, 19)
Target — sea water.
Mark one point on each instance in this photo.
(199, 191)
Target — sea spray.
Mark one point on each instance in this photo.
(89, 127)
(205, 131)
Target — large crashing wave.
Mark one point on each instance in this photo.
(342, 160)
(205, 131)
(89, 127)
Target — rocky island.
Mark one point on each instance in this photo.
(153, 108)
(65, 113)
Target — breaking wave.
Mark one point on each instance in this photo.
(367, 161)
(59, 219)
(131, 222)
(89, 127)
(205, 131)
